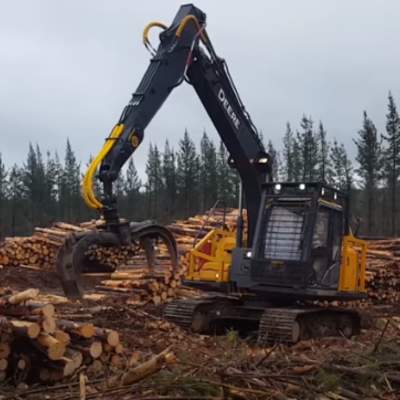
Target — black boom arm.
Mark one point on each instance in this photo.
(184, 53)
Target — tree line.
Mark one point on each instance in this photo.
(180, 182)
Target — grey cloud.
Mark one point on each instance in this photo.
(67, 68)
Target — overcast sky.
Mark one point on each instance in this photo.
(67, 68)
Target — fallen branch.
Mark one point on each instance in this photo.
(143, 370)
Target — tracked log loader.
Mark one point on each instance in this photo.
(298, 246)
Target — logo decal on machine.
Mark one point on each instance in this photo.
(222, 98)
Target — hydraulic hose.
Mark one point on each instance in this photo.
(87, 184)
(185, 22)
(146, 30)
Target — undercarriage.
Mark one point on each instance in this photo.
(217, 314)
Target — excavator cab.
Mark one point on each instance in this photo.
(303, 247)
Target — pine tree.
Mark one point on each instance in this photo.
(308, 146)
(59, 173)
(208, 172)
(15, 194)
(132, 180)
(3, 195)
(70, 190)
(341, 168)
(392, 158)
(154, 186)
(119, 187)
(188, 175)
(132, 188)
(291, 156)
(225, 187)
(323, 158)
(369, 158)
(31, 184)
(3, 181)
(298, 165)
(169, 179)
(274, 156)
(50, 183)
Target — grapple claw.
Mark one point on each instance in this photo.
(72, 257)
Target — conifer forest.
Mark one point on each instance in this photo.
(194, 177)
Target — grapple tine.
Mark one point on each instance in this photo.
(148, 245)
(71, 258)
(65, 268)
(147, 233)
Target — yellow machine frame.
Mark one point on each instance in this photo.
(210, 260)
(352, 268)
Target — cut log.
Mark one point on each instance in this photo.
(85, 330)
(22, 363)
(96, 348)
(75, 356)
(26, 295)
(67, 365)
(119, 348)
(49, 325)
(143, 370)
(108, 335)
(46, 310)
(93, 349)
(62, 337)
(25, 328)
(54, 349)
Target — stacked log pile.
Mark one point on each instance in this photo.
(40, 250)
(383, 270)
(144, 286)
(158, 285)
(36, 344)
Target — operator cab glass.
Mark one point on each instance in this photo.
(300, 236)
(284, 229)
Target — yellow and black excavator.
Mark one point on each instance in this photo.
(298, 247)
